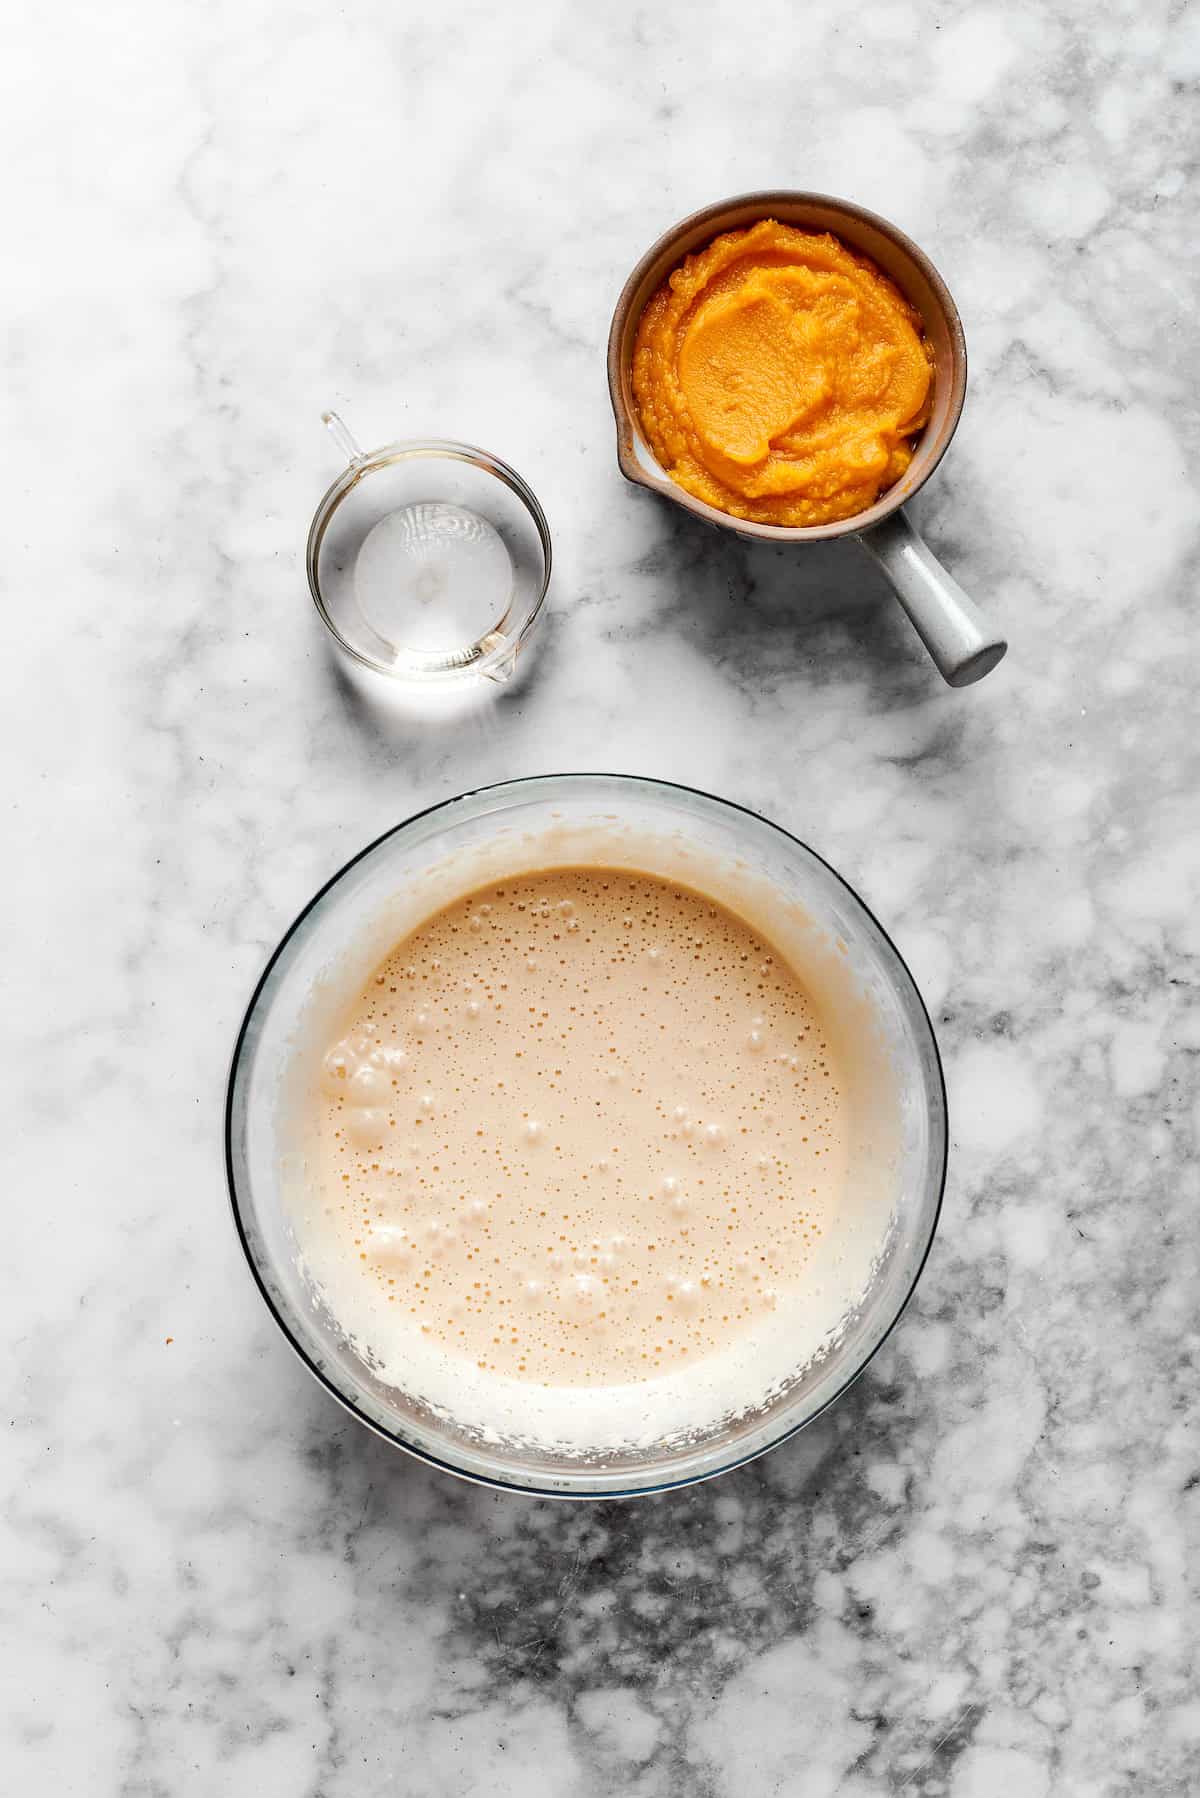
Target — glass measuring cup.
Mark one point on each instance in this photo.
(428, 561)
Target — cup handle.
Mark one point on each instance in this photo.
(962, 643)
(343, 437)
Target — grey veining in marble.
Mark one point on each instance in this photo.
(976, 1577)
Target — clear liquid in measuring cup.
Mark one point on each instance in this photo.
(433, 576)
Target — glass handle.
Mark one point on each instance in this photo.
(342, 437)
(504, 666)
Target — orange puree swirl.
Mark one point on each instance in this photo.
(781, 377)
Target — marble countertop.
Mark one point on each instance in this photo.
(977, 1575)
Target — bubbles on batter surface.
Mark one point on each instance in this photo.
(390, 1245)
(368, 1086)
(583, 1127)
(368, 1127)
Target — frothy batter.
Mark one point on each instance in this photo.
(584, 1127)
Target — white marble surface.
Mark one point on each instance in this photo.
(977, 1577)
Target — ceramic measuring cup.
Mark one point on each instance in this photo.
(963, 644)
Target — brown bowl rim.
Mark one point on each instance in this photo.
(769, 199)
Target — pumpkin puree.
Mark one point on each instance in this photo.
(781, 377)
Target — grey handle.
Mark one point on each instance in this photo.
(953, 629)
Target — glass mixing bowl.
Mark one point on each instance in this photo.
(345, 919)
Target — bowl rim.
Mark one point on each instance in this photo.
(940, 1145)
(769, 201)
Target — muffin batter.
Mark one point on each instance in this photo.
(781, 377)
(583, 1127)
